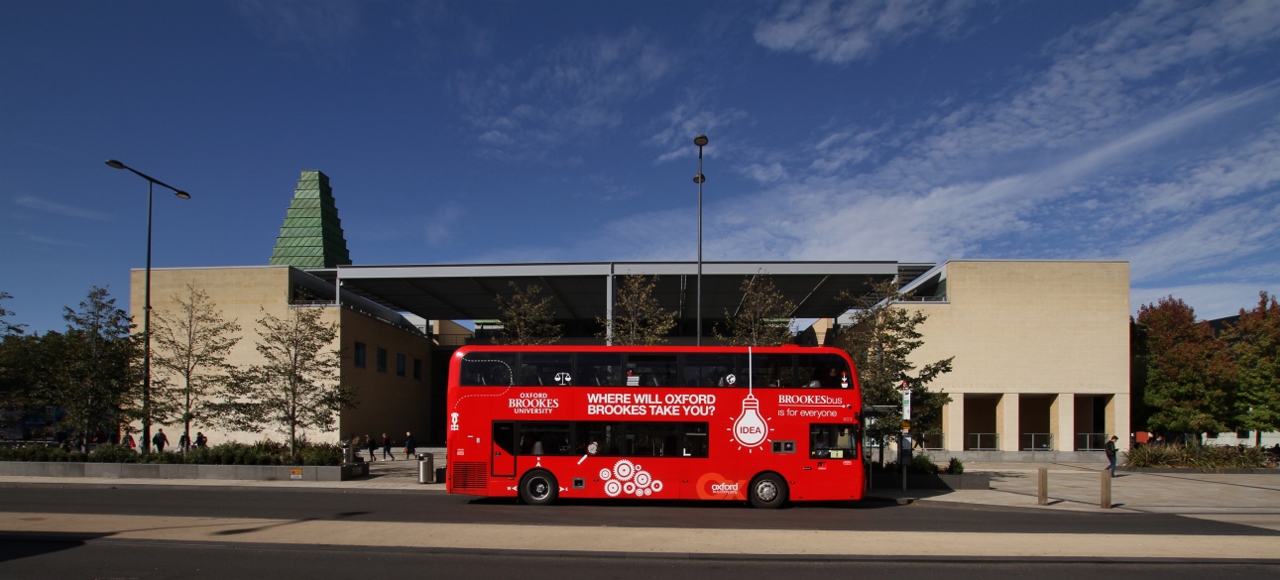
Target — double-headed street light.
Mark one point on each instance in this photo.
(146, 312)
(700, 141)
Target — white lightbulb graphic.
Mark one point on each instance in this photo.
(750, 429)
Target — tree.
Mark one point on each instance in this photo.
(1188, 370)
(92, 369)
(20, 368)
(638, 319)
(1254, 339)
(880, 341)
(297, 386)
(763, 318)
(526, 319)
(192, 344)
(5, 326)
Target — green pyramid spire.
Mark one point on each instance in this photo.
(311, 236)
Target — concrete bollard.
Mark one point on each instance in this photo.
(1044, 486)
(1106, 489)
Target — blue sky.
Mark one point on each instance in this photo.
(478, 132)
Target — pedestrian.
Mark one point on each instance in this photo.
(184, 442)
(409, 448)
(128, 441)
(1111, 454)
(160, 440)
(373, 447)
(386, 448)
(201, 440)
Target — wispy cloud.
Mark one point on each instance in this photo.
(1043, 169)
(442, 225)
(688, 120)
(314, 25)
(48, 241)
(1209, 300)
(46, 206)
(842, 32)
(528, 107)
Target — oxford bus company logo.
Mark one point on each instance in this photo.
(531, 403)
(715, 486)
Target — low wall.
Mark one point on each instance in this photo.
(182, 471)
(1228, 471)
(941, 457)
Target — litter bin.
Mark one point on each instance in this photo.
(348, 455)
(426, 474)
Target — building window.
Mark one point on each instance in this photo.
(382, 360)
(360, 355)
(399, 365)
(417, 369)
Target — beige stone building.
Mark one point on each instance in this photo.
(1041, 369)
(384, 356)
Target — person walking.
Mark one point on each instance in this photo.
(1111, 454)
(372, 447)
(160, 440)
(409, 447)
(201, 440)
(183, 443)
(386, 448)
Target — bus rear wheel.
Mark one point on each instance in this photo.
(539, 487)
(768, 491)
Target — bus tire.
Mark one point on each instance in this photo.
(768, 491)
(539, 487)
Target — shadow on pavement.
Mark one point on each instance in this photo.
(869, 502)
(15, 546)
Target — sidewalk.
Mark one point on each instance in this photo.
(1072, 487)
(1252, 500)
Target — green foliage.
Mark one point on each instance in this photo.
(923, 464)
(261, 453)
(1254, 341)
(763, 317)
(1189, 370)
(191, 345)
(110, 453)
(296, 387)
(881, 341)
(33, 453)
(526, 319)
(638, 319)
(955, 466)
(1197, 456)
(91, 371)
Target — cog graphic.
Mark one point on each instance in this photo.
(628, 478)
(623, 470)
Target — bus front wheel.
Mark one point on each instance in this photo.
(768, 491)
(538, 487)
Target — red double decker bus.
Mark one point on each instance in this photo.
(765, 425)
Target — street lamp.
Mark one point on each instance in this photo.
(700, 141)
(146, 312)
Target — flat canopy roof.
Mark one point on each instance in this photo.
(579, 291)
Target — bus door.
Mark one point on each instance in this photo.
(504, 445)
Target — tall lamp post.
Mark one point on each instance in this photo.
(146, 312)
(700, 141)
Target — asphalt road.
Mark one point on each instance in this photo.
(35, 554)
(120, 560)
(374, 506)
